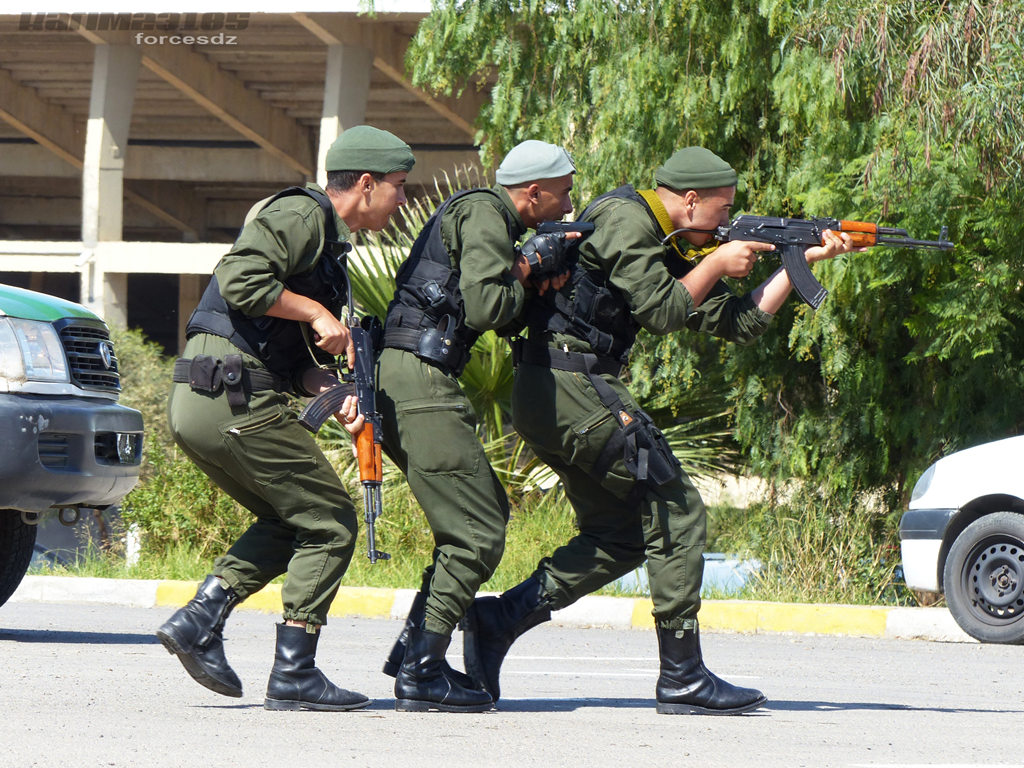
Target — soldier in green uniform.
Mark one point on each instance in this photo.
(264, 327)
(633, 502)
(463, 276)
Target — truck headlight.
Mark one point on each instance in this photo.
(923, 484)
(31, 351)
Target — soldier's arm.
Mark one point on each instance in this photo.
(278, 243)
(627, 249)
(479, 242)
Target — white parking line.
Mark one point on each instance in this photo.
(652, 659)
(653, 673)
(579, 674)
(934, 765)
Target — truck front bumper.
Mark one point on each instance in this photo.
(67, 451)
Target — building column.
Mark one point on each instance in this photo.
(105, 293)
(346, 92)
(115, 72)
(188, 300)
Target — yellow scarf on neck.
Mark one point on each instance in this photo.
(665, 222)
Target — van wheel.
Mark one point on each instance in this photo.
(984, 579)
(16, 542)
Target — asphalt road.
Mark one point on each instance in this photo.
(91, 686)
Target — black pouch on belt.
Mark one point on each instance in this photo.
(209, 374)
(231, 376)
(204, 373)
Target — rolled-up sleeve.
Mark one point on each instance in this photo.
(272, 247)
(478, 239)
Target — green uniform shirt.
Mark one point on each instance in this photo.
(626, 247)
(476, 235)
(283, 239)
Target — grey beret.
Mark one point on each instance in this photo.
(533, 160)
(695, 168)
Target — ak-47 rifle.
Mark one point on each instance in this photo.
(793, 236)
(368, 451)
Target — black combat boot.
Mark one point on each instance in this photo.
(295, 681)
(492, 624)
(397, 655)
(686, 687)
(421, 684)
(194, 633)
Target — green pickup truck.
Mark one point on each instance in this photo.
(68, 445)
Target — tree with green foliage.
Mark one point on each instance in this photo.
(907, 114)
(904, 113)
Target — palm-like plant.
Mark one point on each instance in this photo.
(702, 441)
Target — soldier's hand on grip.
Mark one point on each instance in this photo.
(737, 257)
(333, 336)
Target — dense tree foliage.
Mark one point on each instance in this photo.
(906, 113)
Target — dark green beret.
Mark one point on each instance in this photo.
(695, 168)
(365, 148)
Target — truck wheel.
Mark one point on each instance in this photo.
(16, 542)
(984, 579)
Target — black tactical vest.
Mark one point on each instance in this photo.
(589, 307)
(279, 343)
(427, 316)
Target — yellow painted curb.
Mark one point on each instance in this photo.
(743, 616)
(642, 616)
(267, 600)
(370, 602)
(174, 594)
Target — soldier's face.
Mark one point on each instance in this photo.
(384, 199)
(707, 209)
(551, 201)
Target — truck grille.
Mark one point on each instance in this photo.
(53, 450)
(91, 356)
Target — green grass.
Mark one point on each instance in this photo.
(807, 559)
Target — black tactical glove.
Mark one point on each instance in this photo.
(546, 255)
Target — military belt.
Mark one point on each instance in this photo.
(561, 360)
(437, 347)
(204, 373)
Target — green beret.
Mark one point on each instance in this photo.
(533, 160)
(695, 168)
(364, 148)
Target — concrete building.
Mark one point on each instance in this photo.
(132, 144)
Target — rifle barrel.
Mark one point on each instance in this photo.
(906, 242)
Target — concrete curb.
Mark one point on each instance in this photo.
(614, 612)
